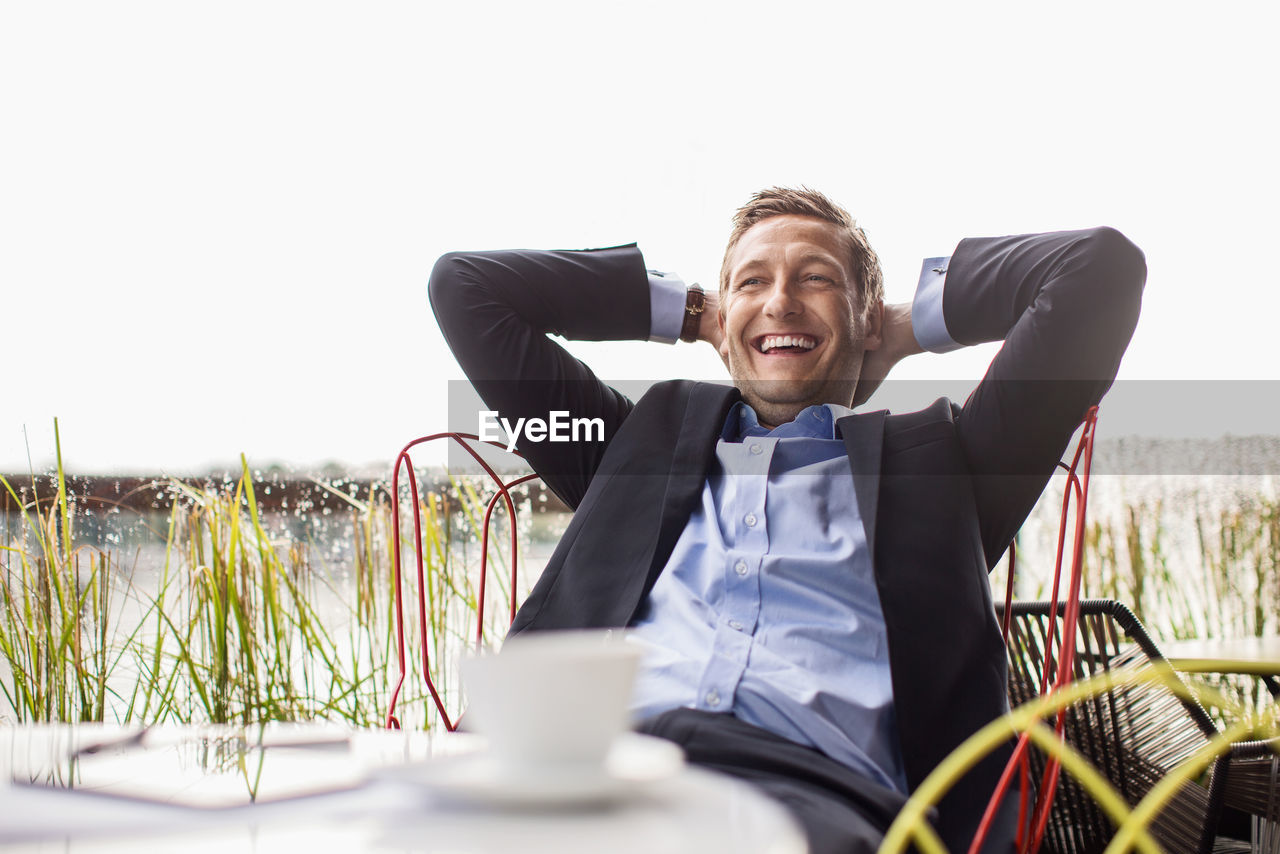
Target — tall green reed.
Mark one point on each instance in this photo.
(1200, 562)
(55, 623)
(233, 630)
(1187, 562)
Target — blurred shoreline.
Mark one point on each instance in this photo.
(274, 491)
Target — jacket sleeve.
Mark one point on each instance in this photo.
(496, 310)
(1065, 304)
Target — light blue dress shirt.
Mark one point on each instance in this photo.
(768, 607)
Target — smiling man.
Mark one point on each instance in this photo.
(809, 582)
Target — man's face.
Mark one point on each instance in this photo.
(794, 332)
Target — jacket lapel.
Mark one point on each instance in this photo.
(864, 440)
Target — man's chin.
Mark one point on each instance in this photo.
(779, 401)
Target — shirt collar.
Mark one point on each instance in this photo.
(814, 422)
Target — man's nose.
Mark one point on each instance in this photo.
(784, 300)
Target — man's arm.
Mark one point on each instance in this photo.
(1065, 304)
(496, 310)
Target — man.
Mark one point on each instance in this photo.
(811, 584)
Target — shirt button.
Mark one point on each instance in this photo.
(713, 697)
(757, 450)
(750, 520)
(740, 567)
(735, 625)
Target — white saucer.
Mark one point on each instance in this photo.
(478, 778)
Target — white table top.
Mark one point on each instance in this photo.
(1244, 655)
(691, 810)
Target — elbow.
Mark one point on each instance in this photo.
(1116, 275)
(445, 274)
(1119, 274)
(445, 288)
(1117, 259)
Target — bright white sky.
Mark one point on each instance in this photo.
(217, 219)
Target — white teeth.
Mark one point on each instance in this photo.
(772, 341)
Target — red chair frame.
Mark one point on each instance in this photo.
(504, 493)
(1030, 836)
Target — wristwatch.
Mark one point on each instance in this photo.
(695, 299)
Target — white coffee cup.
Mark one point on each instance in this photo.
(551, 698)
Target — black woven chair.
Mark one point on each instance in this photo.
(1132, 734)
(1251, 784)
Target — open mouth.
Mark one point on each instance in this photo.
(780, 344)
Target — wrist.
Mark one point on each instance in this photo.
(900, 336)
(709, 323)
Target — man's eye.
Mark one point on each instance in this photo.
(748, 282)
(816, 278)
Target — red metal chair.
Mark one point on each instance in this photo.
(468, 442)
(1133, 735)
(1077, 487)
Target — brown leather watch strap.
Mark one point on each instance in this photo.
(695, 299)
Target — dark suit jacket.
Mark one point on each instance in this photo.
(941, 491)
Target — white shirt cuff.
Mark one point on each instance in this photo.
(667, 298)
(927, 320)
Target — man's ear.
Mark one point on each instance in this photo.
(874, 326)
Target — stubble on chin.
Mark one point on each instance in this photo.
(780, 401)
